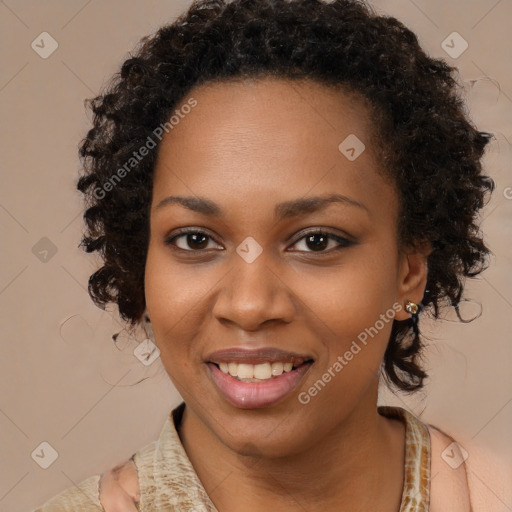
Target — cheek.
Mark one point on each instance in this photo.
(175, 299)
(169, 300)
(352, 309)
(352, 296)
(173, 291)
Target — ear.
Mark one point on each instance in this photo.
(412, 277)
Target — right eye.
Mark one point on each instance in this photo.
(195, 239)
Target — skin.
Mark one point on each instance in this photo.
(448, 491)
(119, 488)
(248, 146)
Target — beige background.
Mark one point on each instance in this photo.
(61, 379)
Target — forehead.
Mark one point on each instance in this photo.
(262, 109)
(269, 136)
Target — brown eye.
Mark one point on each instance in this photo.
(190, 240)
(318, 241)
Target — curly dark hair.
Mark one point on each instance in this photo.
(429, 148)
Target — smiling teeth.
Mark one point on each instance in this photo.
(263, 371)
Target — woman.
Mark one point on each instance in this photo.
(280, 190)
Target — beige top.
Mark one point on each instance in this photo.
(169, 483)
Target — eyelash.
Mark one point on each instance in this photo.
(344, 242)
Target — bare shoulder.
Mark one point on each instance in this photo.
(449, 483)
(119, 488)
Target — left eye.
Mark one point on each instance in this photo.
(319, 241)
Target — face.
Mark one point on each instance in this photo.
(248, 273)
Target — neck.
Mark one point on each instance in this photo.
(358, 465)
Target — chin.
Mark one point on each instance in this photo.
(270, 437)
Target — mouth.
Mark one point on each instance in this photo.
(262, 372)
(257, 379)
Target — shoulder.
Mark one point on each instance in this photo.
(115, 490)
(448, 476)
(119, 488)
(83, 497)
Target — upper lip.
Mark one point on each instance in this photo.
(256, 356)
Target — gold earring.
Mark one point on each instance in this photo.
(411, 307)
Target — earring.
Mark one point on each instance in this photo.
(412, 308)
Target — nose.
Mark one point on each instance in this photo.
(253, 294)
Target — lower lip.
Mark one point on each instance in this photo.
(255, 395)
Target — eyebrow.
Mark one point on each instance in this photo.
(282, 211)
